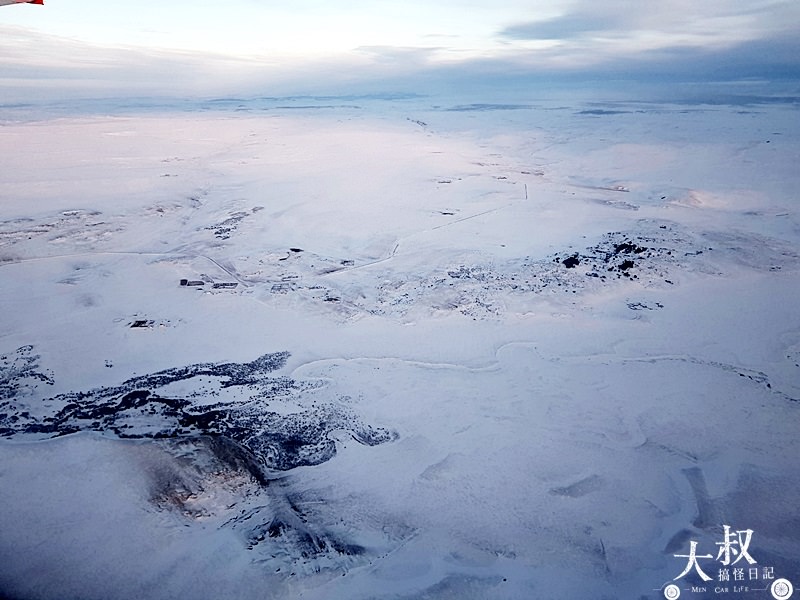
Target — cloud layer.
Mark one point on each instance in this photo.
(478, 45)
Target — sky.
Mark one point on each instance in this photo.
(204, 47)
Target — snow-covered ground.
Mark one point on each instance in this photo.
(399, 349)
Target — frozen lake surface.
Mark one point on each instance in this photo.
(361, 348)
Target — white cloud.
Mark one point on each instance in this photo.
(592, 30)
(205, 48)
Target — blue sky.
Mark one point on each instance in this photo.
(202, 47)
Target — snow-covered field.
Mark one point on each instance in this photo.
(399, 349)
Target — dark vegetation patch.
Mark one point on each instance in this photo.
(571, 261)
(236, 447)
(225, 229)
(620, 254)
(20, 375)
(141, 408)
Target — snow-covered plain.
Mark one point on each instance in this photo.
(421, 349)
